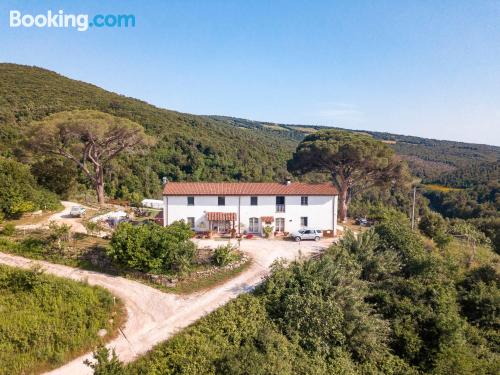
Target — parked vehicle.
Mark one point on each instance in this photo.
(77, 211)
(362, 221)
(307, 234)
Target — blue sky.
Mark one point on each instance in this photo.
(426, 68)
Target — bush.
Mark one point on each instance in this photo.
(153, 248)
(19, 192)
(93, 227)
(223, 255)
(431, 224)
(9, 229)
(45, 320)
(59, 235)
(106, 362)
(267, 231)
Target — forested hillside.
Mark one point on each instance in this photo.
(381, 303)
(427, 158)
(188, 147)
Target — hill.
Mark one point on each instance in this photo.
(188, 147)
(191, 147)
(427, 158)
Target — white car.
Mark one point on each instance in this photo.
(307, 234)
(77, 211)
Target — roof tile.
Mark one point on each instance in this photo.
(248, 188)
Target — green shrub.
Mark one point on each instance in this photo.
(106, 362)
(153, 248)
(45, 320)
(268, 230)
(19, 192)
(9, 229)
(223, 255)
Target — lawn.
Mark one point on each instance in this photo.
(47, 321)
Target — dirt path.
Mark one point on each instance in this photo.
(154, 316)
(62, 217)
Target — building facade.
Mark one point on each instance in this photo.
(248, 207)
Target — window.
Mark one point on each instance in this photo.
(253, 201)
(190, 221)
(221, 201)
(280, 204)
(304, 201)
(190, 201)
(303, 221)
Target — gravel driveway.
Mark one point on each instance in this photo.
(62, 217)
(154, 316)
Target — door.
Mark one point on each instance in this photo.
(253, 226)
(280, 224)
(308, 235)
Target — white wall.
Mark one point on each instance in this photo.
(321, 210)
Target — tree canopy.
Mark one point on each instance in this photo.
(91, 139)
(354, 161)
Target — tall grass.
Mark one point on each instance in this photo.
(45, 320)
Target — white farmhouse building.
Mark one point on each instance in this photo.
(247, 207)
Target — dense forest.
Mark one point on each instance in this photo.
(188, 147)
(382, 303)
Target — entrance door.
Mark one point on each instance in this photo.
(280, 224)
(253, 226)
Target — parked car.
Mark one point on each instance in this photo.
(362, 221)
(77, 211)
(307, 234)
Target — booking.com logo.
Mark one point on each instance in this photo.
(79, 22)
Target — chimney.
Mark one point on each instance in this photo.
(288, 180)
(164, 180)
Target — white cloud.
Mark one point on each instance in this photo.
(340, 112)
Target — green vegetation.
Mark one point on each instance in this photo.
(105, 362)
(194, 283)
(46, 321)
(90, 139)
(379, 303)
(354, 162)
(153, 248)
(19, 192)
(187, 147)
(223, 255)
(389, 301)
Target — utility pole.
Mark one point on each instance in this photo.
(413, 208)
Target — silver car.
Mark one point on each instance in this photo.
(77, 211)
(307, 234)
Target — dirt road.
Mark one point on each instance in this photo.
(154, 316)
(62, 217)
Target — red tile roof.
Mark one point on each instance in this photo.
(221, 216)
(248, 188)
